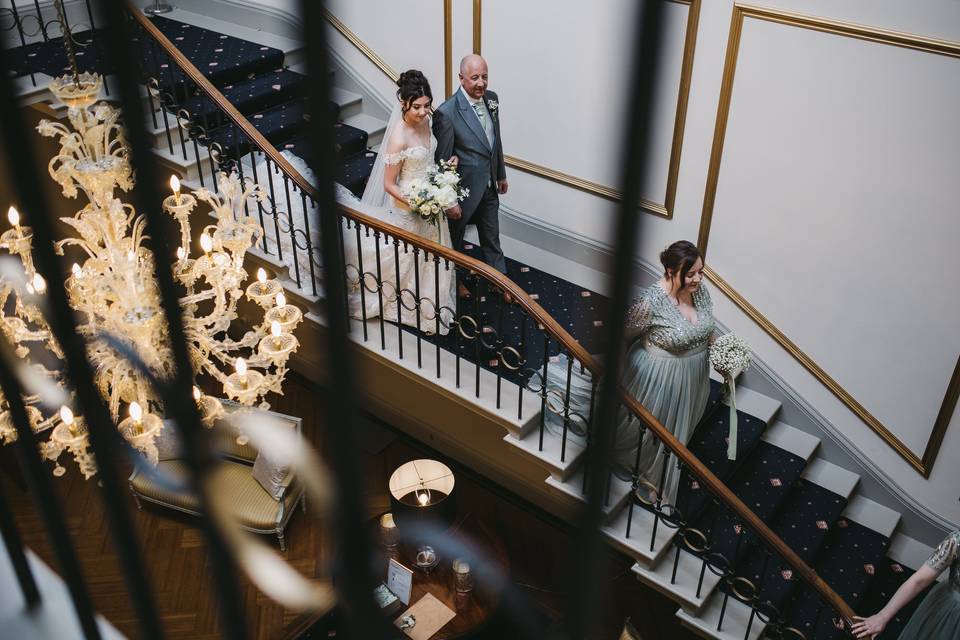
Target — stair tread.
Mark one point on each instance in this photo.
(637, 545)
(250, 94)
(573, 487)
(831, 477)
(552, 451)
(872, 515)
(736, 616)
(276, 123)
(757, 404)
(797, 442)
(684, 587)
(366, 122)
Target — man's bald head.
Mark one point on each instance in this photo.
(473, 75)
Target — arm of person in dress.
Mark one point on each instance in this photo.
(392, 163)
(638, 319)
(943, 557)
(443, 132)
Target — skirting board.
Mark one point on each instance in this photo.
(918, 521)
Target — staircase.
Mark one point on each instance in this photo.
(812, 504)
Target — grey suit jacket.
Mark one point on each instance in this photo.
(458, 131)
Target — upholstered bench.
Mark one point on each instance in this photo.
(252, 505)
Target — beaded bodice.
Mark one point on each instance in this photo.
(655, 318)
(414, 161)
(948, 555)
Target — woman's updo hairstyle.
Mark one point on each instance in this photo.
(412, 85)
(679, 257)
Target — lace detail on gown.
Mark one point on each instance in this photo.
(418, 277)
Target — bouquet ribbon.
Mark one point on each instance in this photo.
(732, 437)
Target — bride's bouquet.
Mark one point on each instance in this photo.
(730, 354)
(430, 197)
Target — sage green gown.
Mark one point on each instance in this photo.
(938, 616)
(667, 369)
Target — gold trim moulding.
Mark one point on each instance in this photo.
(924, 464)
(477, 26)
(448, 46)
(593, 188)
(361, 46)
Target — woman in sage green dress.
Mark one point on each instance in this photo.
(667, 368)
(938, 616)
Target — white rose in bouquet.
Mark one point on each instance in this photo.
(431, 198)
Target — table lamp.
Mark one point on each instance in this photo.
(421, 492)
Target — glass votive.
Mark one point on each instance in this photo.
(388, 531)
(462, 578)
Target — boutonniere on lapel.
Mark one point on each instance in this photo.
(493, 106)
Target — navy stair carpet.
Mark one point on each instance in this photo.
(768, 479)
(250, 75)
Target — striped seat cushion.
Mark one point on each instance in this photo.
(248, 501)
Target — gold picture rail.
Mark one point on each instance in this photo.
(664, 209)
(922, 463)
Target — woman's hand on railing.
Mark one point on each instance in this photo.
(869, 627)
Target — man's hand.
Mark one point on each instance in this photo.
(502, 186)
(454, 161)
(455, 212)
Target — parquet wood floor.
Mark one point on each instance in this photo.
(178, 563)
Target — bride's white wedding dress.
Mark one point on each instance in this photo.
(412, 274)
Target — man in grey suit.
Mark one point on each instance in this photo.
(468, 125)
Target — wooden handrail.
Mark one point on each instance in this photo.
(521, 298)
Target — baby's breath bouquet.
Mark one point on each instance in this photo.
(729, 355)
(430, 197)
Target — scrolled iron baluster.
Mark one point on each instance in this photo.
(273, 211)
(523, 352)
(566, 409)
(256, 181)
(543, 389)
(416, 295)
(399, 304)
(383, 330)
(293, 239)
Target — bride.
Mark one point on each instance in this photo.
(409, 282)
(404, 275)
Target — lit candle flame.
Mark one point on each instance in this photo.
(241, 366)
(275, 329)
(281, 300)
(77, 272)
(39, 284)
(206, 243)
(13, 216)
(175, 185)
(181, 254)
(136, 411)
(261, 275)
(196, 393)
(66, 415)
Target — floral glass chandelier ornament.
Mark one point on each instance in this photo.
(113, 291)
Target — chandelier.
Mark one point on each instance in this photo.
(113, 292)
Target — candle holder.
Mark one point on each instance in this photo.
(277, 349)
(141, 434)
(462, 577)
(263, 292)
(245, 387)
(287, 315)
(388, 532)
